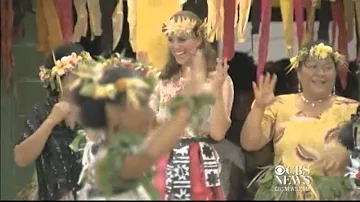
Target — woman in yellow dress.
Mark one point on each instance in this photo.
(303, 127)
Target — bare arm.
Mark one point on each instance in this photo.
(28, 150)
(256, 131)
(252, 137)
(220, 115)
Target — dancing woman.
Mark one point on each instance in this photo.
(303, 126)
(51, 127)
(191, 170)
(115, 100)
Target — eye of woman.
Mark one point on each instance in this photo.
(311, 65)
(328, 67)
(182, 39)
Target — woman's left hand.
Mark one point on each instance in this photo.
(220, 75)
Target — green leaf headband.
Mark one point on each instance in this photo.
(90, 74)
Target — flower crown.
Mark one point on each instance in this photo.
(52, 77)
(183, 24)
(90, 75)
(319, 51)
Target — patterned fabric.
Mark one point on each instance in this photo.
(178, 181)
(282, 121)
(57, 167)
(166, 91)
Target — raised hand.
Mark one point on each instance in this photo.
(264, 90)
(142, 56)
(221, 73)
(59, 112)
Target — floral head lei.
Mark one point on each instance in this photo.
(183, 24)
(319, 51)
(91, 74)
(52, 77)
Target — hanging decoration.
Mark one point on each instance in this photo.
(310, 19)
(287, 13)
(215, 20)
(117, 23)
(243, 13)
(7, 18)
(229, 30)
(88, 13)
(264, 36)
(339, 19)
(349, 19)
(64, 11)
(299, 18)
(145, 22)
(49, 32)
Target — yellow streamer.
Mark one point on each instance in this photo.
(132, 23)
(349, 18)
(244, 11)
(94, 14)
(287, 13)
(150, 16)
(95, 17)
(81, 25)
(117, 23)
(215, 20)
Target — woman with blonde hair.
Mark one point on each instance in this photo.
(191, 170)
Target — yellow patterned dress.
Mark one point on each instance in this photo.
(308, 141)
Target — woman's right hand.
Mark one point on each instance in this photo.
(264, 91)
(59, 112)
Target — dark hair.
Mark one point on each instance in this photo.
(286, 81)
(346, 136)
(58, 53)
(242, 71)
(172, 67)
(92, 111)
(349, 130)
(310, 44)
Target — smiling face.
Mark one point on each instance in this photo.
(317, 77)
(182, 47)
